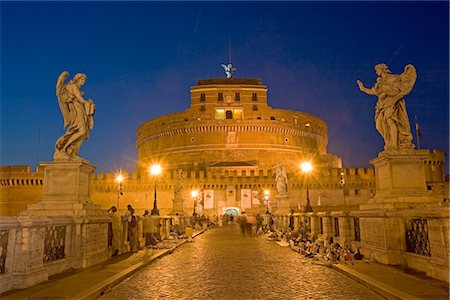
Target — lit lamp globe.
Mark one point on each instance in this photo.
(119, 179)
(306, 167)
(155, 170)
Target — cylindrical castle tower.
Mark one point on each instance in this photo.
(229, 123)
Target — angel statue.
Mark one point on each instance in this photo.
(281, 180)
(78, 115)
(228, 70)
(391, 119)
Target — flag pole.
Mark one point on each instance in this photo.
(417, 132)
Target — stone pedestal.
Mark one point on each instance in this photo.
(282, 206)
(67, 187)
(65, 207)
(400, 178)
(178, 206)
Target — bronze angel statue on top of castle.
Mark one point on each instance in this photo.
(78, 115)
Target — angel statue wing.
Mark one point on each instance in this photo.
(408, 79)
(60, 84)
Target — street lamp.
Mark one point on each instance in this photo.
(155, 170)
(307, 168)
(119, 179)
(194, 195)
(342, 184)
(266, 198)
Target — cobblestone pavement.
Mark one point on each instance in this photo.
(221, 264)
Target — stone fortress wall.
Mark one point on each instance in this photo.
(19, 186)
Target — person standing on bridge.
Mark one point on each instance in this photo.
(117, 236)
(243, 223)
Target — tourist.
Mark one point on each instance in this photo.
(259, 222)
(243, 223)
(117, 239)
(251, 221)
(291, 220)
(155, 225)
(177, 224)
(133, 231)
(146, 228)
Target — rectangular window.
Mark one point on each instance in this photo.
(320, 225)
(228, 113)
(220, 114)
(255, 108)
(254, 97)
(336, 227)
(237, 114)
(202, 108)
(357, 193)
(220, 97)
(237, 97)
(202, 97)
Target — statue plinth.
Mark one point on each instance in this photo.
(282, 205)
(67, 186)
(177, 206)
(400, 179)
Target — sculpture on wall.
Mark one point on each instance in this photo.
(78, 116)
(391, 119)
(178, 189)
(281, 180)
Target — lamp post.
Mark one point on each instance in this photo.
(342, 184)
(266, 198)
(306, 167)
(194, 195)
(155, 170)
(119, 179)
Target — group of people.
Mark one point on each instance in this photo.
(122, 233)
(250, 224)
(305, 243)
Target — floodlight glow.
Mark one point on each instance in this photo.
(119, 178)
(306, 166)
(155, 170)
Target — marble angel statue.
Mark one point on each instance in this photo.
(391, 119)
(78, 116)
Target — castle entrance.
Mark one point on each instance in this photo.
(231, 211)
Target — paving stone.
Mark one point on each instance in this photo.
(221, 264)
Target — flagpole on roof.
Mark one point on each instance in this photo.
(418, 133)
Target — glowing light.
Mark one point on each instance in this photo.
(119, 178)
(306, 166)
(194, 193)
(155, 170)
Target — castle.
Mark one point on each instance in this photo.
(225, 146)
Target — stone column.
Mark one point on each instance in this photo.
(314, 224)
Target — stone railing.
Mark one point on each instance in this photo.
(421, 241)
(32, 249)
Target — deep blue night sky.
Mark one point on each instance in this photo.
(141, 59)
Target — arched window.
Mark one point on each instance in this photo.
(229, 115)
